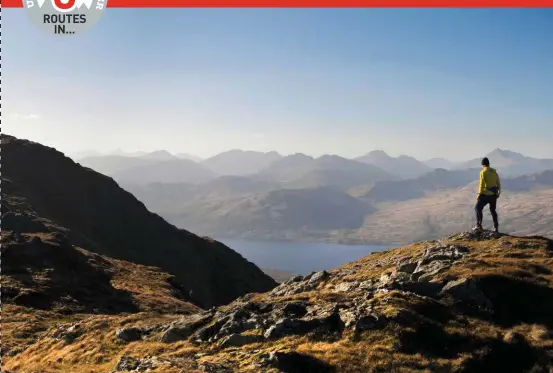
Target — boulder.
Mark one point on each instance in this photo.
(467, 290)
(426, 272)
(129, 334)
(345, 287)
(407, 267)
(443, 252)
(295, 309)
(369, 322)
(287, 326)
(68, 334)
(183, 328)
(127, 363)
(174, 334)
(318, 277)
(239, 340)
(294, 362)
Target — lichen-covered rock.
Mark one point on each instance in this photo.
(68, 333)
(426, 272)
(407, 267)
(183, 328)
(127, 363)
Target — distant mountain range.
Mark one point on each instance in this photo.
(246, 194)
(300, 170)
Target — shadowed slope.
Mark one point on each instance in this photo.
(99, 216)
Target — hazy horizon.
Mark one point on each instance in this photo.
(135, 152)
(446, 83)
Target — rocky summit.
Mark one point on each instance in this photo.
(467, 303)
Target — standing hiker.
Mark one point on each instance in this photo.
(488, 193)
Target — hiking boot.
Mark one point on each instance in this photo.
(496, 230)
(478, 228)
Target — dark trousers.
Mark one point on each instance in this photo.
(480, 204)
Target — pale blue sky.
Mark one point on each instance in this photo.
(450, 83)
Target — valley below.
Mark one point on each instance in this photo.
(94, 282)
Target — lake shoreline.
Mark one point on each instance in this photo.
(301, 258)
(308, 241)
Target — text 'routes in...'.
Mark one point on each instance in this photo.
(65, 17)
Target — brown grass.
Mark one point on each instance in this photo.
(415, 345)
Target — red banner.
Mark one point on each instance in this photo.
(315, 4)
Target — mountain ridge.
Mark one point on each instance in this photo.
(97, 215)
(240, 162)
(403, 166)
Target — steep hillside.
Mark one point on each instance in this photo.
(240, 162)
(45, 272)
(274, 214)
(42, 186)
(463, 304)
(403, 166)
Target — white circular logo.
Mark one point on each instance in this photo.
(65, 17)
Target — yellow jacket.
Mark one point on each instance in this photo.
(489, 179)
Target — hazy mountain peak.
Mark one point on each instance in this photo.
(161, 155)
(240, 162)
(506, 154)
(403, 166)
(330, 156)
(299, 156)
(242, 152)
(377, 154)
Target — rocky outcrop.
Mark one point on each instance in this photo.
(467, 290)
(300, 284)
(484, 305)
(129, 334)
